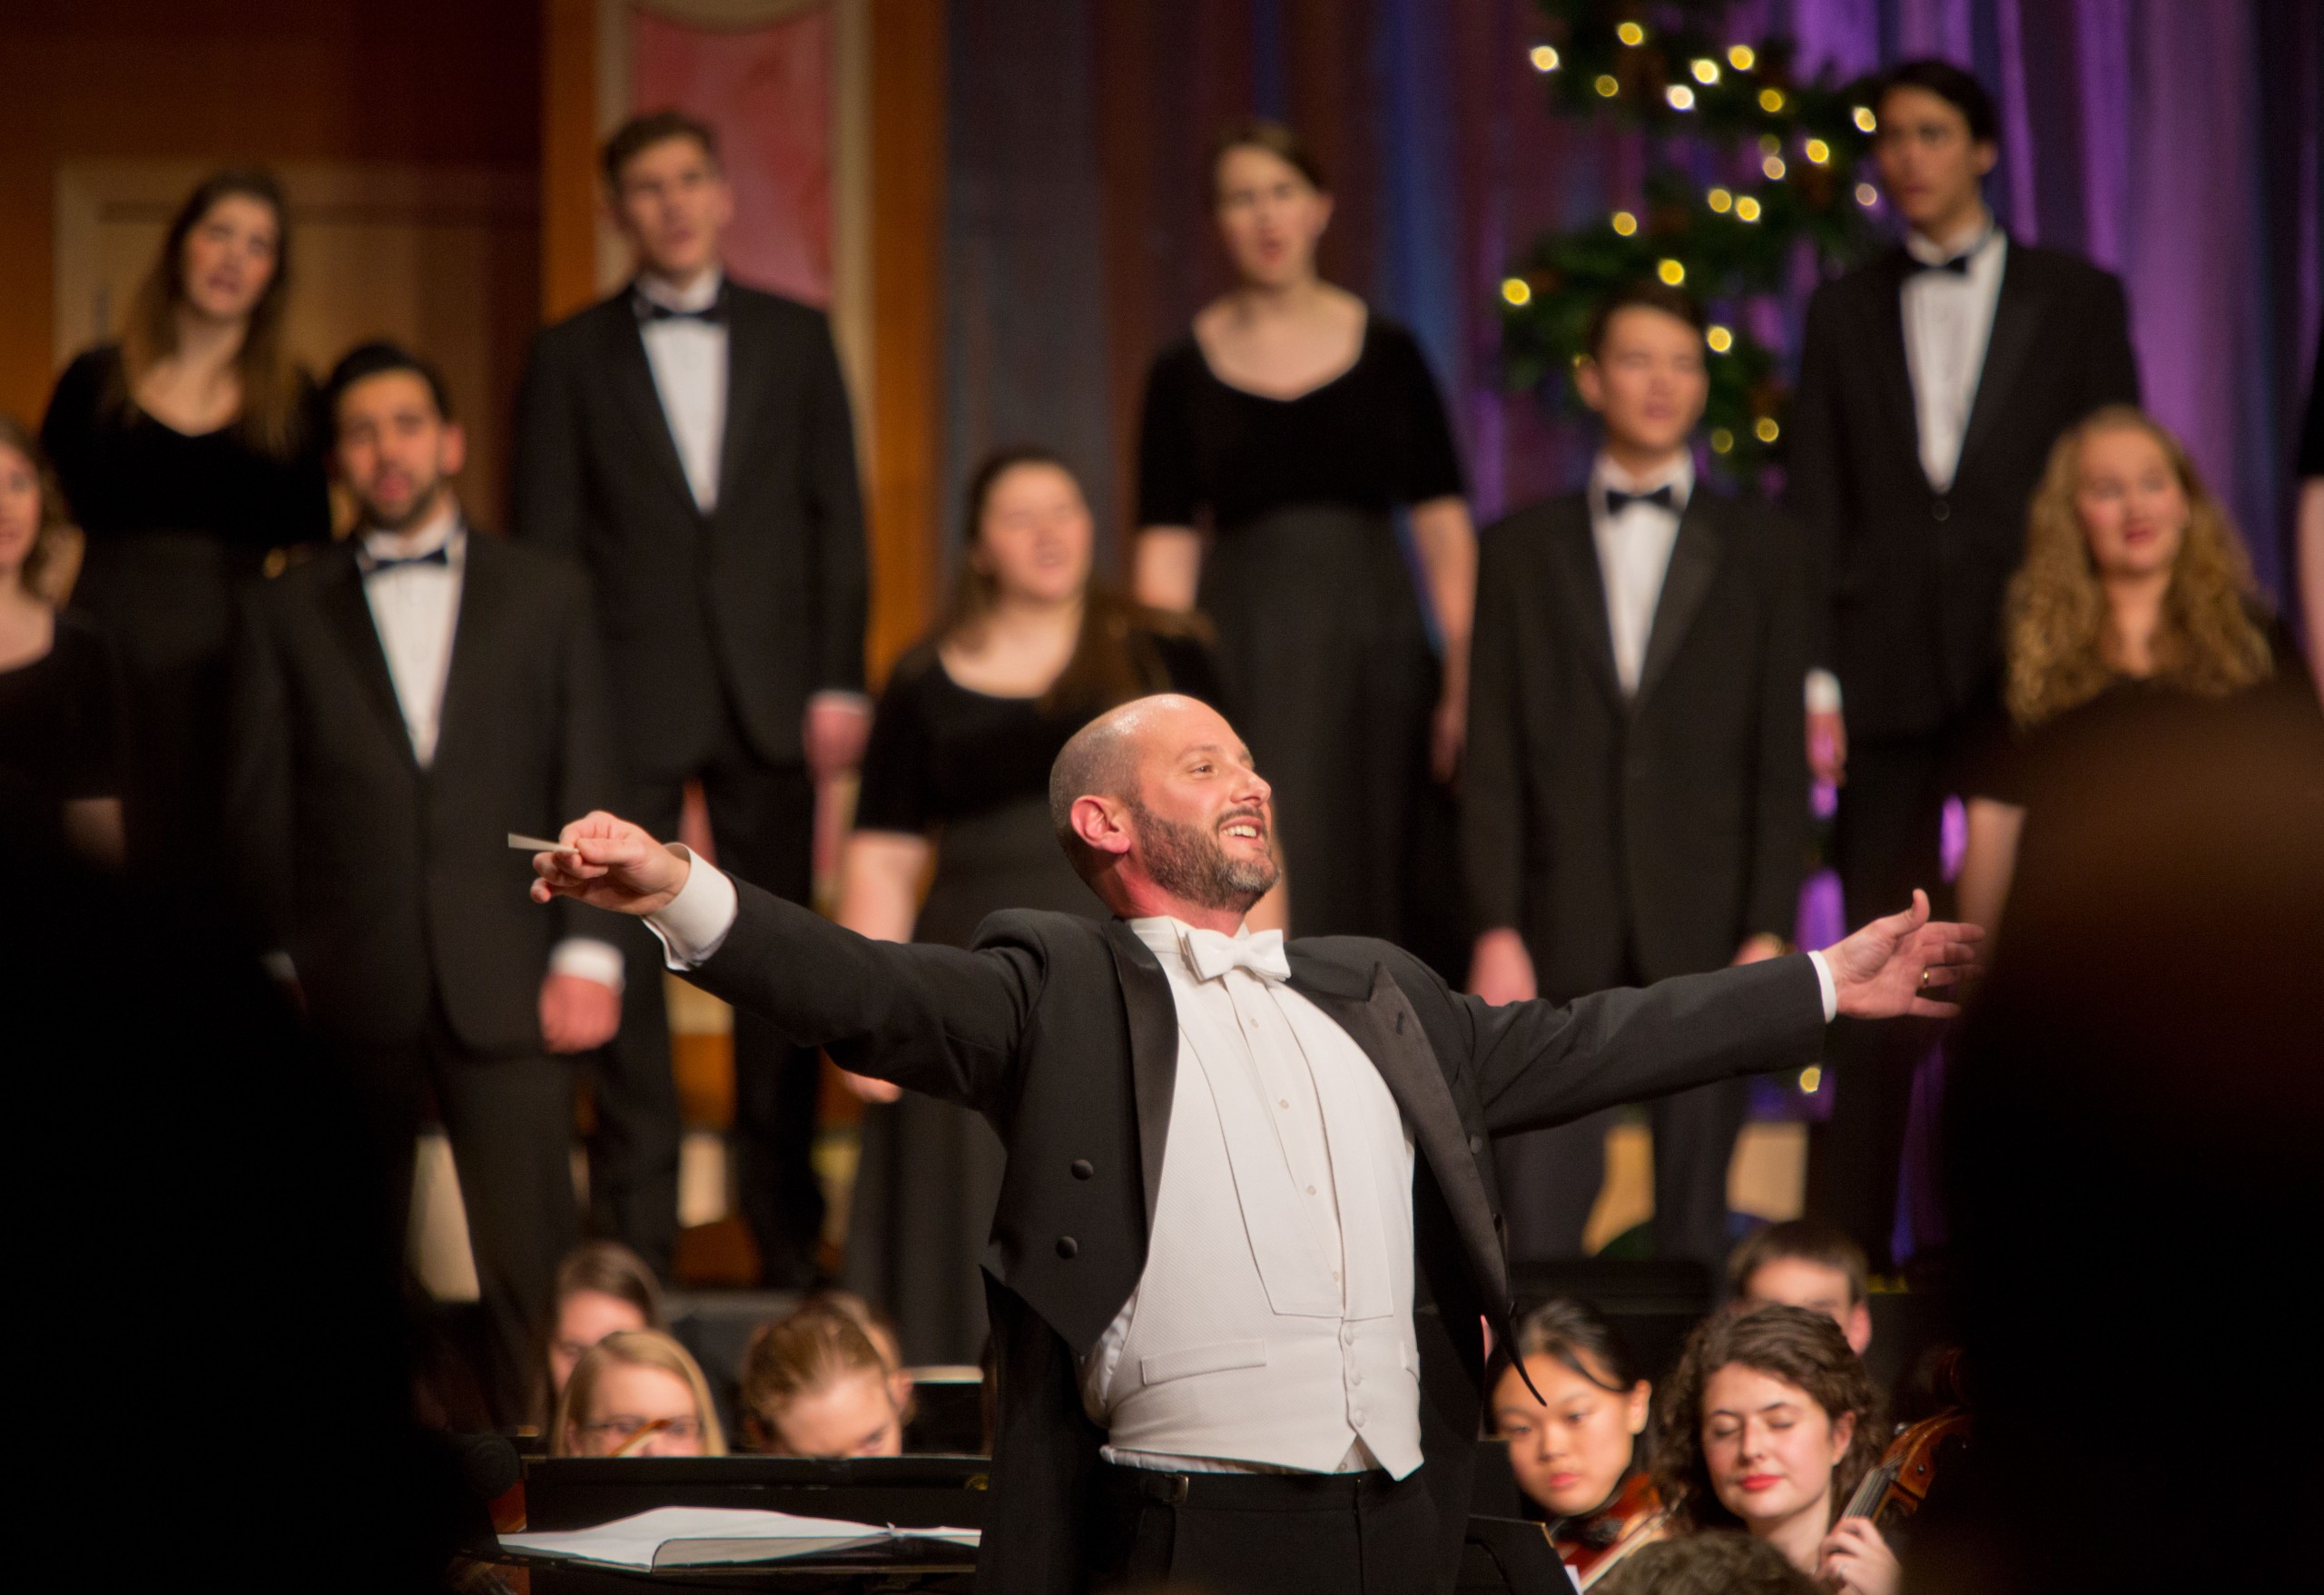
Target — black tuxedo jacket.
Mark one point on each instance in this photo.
(1063, 1033)
(384, 882)
(1910, 579)
(1667, 827)
(758, 605)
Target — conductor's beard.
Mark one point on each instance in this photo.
(1191, 862)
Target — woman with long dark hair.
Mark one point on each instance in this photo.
(1768, 1425)
(955, 779)
(190, 449)
(1281, 437)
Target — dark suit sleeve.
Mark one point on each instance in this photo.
(546, 485)
(261, 789)
(1812, 478)
(1493, 807)
(935, 1019)
(589, 776)
(1779, 821)
(835, 530)
(1538, 1063)
(2113, 369)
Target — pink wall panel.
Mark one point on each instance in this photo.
(769, 93)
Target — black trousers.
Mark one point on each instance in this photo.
(1889, 835)
(1263, 1533)
(1550, 1179)
(510, 1118)
(763, 819)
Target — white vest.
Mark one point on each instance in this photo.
(1273, 1322)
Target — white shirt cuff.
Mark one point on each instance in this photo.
(1822, 691)
(837, 697)
(279, 967)
(693, 925)
(588, 958)
(1823, 984)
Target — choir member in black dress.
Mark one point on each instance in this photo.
(189, 450)
(958, 771)
(2133, 612)
(1279, 437)
(60, 739)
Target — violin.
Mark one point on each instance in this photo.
(1894, 1490)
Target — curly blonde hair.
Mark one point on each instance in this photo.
(2057, 617)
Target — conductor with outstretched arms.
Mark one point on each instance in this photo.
(1245, 1247)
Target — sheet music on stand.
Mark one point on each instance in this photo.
(695, 1537)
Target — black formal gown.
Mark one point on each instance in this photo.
(59, 732)
(969, 771)
(175, 523)
(1321, 633)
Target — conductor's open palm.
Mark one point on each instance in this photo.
(1903, 964)
(609, 864)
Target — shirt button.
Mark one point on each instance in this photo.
(1311, 1190)
(1347, 1336)
(1354, 1379)
(1357, 1417)
(1283, 1102)
(1940, 510)
(1067, 1248)
(1083, 1169)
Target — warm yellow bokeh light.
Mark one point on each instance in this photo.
(1606, 85)
(1774, 167)
(1705, 69)
(1818, 151)
(1864, 120)
(1544, 58)
(1625, 223)
(1769, 144)
(1720, 339)
(1770, 99)
(1866, 195)
(1670, 271)
(1721, 440)
(1747, 209)
(1515, 290)
(1766, 430)
(1720, 199)
(1811, 1079)
(1680, 96)
(1741, 57)
(1629, 33)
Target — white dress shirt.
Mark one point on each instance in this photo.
(1634, 553)
(689, 361)
(1948, 321)
(415, 610)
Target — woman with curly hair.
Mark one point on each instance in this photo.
(1768, 1425)
(2134, 606)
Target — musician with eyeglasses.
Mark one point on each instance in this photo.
(636, 1393)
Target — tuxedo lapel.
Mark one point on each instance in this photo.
(1581, 593)
(1152, 1015)
(348, 615)
(1686, 583)
(1380, 1019)
(750, 363)
(476, 634)
(2017, 317)
(1885, 350)
(632, 378)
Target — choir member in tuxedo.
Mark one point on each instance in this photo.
(60, 724)
(1636, 805)
(1933, 380)
(403, 701)
(1279, 438)
(189, 449)
(688, 440)
(1245, 1245)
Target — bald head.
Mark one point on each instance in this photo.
(1159, 809)
(1100, 760)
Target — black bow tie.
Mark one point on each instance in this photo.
(1958, 265)
(1663, 498)
(439, 555)
(713, 314)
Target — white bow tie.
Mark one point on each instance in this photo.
(1212, 953)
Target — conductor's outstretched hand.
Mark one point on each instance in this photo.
(609, 864)
(1904, 964)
